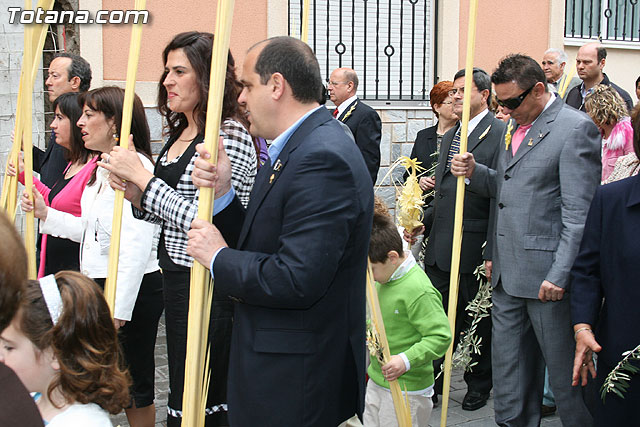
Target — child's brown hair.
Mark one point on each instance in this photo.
(83, 340)
(384, 234)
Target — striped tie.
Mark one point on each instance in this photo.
(454, 149)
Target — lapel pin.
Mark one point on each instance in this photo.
(277, 166)
(486, 131)
(540, 135)
(530, 142)
(272, 177)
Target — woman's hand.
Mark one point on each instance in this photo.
(586, 344)
(131, 192)
(126, 164)
(119, 323)
(11, 168)
(41, 210)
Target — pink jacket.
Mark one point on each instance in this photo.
(620, 143)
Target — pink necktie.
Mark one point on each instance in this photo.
(518, 137)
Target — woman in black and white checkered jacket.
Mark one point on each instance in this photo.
(169, 197)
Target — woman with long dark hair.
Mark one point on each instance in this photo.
(168, 197)
(139, 286)
(57, 253)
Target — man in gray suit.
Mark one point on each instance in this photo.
(484, 136)
(547, 172)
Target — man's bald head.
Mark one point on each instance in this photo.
(343, 84)
(590, 63)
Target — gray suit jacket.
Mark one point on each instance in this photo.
(542, 195)
(484, 142)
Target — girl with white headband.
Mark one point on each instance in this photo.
(62, 344)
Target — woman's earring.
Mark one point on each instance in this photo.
(116, 138)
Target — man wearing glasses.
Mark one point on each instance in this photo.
(363, 120)
(546, 174)
(484, 135)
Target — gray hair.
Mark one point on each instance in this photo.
(562, 55)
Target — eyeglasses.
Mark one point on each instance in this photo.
(446, 102)
(336, 83)
(513, 103)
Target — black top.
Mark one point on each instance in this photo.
(50, 164)
(62, 254)
(574, 97)
(171, 174)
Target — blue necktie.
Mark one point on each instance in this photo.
(454, 149)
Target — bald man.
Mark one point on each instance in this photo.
(363, 120)
(590, 62)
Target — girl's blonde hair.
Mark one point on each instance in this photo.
(605, 106)
(84, 341)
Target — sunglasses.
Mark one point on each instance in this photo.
(513, 103)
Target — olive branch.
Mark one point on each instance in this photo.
(617, 381)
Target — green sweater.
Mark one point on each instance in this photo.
(416, 324)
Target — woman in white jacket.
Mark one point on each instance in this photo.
(139, 286)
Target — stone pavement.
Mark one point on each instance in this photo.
(483, 417)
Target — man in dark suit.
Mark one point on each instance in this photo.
(67, 73)
(298, 273)
(484, 135)
(590, 62)
(363, 120)
(546, 174)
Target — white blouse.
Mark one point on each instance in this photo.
(138, 241)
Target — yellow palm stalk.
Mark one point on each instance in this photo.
(8, 198)
(378, 337)
(125, 130)
(201, 286)
(305, 21)
(457, 225)
(566, 82)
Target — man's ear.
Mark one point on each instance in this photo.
(279, 83)
(75, 82)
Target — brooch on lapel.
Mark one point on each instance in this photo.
(507, 136)
(486, 131)
(276, 167)
(349, 112)
(530, 143)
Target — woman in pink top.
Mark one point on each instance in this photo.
(609, 112)
(57, 253)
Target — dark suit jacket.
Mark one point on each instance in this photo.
(542, 196)
(50, 164)
(608, 266)
(574, 96)
(426, 144)
(484, 143)
(298, 279)
(366, 128)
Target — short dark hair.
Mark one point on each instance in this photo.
(296, 62)
(602, 53)
(384, 234)
(79, 68)
(197, 47)
(480, 78)
(637, 81)
(521, 69)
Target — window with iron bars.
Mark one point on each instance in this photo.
(389, 43)
(607, 20)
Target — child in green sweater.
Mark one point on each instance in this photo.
(416, 325)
